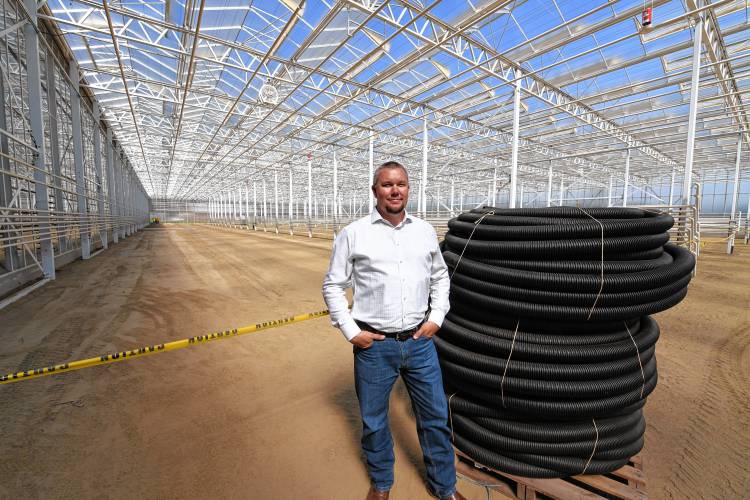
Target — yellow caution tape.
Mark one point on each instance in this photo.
(154, 349)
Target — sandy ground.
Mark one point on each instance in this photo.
(273, 415)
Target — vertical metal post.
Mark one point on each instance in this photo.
(493, 198)
(111, 183)
(291, 202)
(671, 185)
(562, 191)
(128, 197)
(461, 202)
(117, 190)
(335, 192)
(520, 196)
(276, 199)
(423, 185)
(438, 197)
(239, 197)
(255, 206)
(133, 207)
(626, 180)
(516, 131)
(264, 208)
(692, 114)
(453, 192)
(549, 186)
(233, 207)
(75, 110)
(609, 191)
(309, 199)
(62, 241)
(370, 198)
(12, 259)
(34, 83)
(736, 179)
(247, 206)
(291, 197)
(419, 198)
(99, 177)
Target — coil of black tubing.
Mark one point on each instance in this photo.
(548, 352)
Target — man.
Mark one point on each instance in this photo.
(392, 261)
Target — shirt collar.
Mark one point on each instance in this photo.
(376, 217)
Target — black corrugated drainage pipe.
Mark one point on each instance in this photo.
(548, 350)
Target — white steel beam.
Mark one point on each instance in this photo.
(423, 183)
(75, 118)
(514, 153)
(96, 131)
(626, 179)
(695, 80)
(736, 186)
(111, 184)
(370, 198)
(34, 85)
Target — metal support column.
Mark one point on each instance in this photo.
(62, 240)
(291, 202)
(118, 192)
(609, 191)
(111, 184)
(75, 118)
(453, 193)
(562, 191)
(34, 83)
(12, 259)
(733, 213)
(309, 199)
(247, 206)
(493, 197)
(549, 186)
(626, 180)
(276, 199)
(239, 197)
(264, 208)
(423, 184)
(692, 114)
(335, 192)
(370, 198)
(516, 131)
(671, 185)
(99, 177)
(255, 206)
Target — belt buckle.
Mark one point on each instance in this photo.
(404, 336)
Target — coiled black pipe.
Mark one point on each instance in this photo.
(682, 264)
(594, 441)
(548, 352)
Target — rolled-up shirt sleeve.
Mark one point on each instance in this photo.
(337, 280)
(439, 287)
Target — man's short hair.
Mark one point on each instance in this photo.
(388, 164)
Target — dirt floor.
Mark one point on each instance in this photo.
(273, 415)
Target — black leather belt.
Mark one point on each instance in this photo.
(400, 336)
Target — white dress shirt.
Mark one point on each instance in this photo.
(392, 271)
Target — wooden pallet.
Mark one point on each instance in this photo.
(626, 483)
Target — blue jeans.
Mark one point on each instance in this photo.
(375, 371)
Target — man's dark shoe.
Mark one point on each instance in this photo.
(455, 496)
(374, 494)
